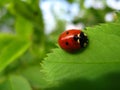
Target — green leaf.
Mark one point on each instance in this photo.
(23, 27)
(117, 17)
(5, 39)
(3, 2)
(36, 79)
(70, 1)
(11, 50)
(27, 11)
(99, 58)
(15, 82)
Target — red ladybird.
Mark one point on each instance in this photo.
(72, 40)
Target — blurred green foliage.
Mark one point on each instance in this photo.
(24, 45)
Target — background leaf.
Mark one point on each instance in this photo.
(31, 12)
(5, 39)
(101, 57)
(2, 2)
(15, 82)
(11, 51)
(23, 27)
(36, 78)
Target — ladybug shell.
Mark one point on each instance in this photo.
(67, 41)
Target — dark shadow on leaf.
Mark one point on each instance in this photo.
(109, 81)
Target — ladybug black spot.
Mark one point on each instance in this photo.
(67, 43)
(67, 32)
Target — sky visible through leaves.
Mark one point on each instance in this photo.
(69, 11)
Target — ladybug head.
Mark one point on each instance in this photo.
(81, 39)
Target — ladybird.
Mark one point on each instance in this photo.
(73, 40)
